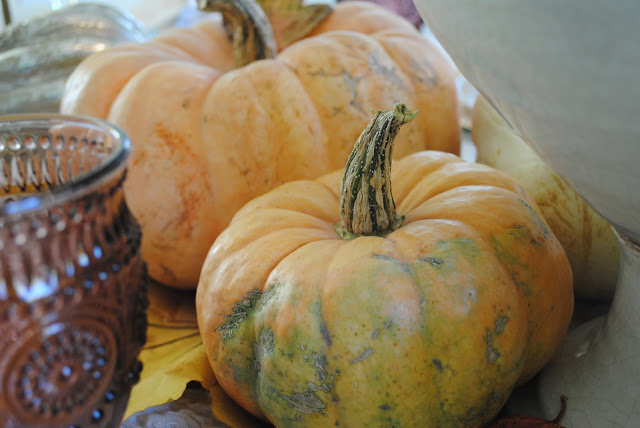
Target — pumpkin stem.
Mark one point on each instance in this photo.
(366, 202)
(292, 20)
(248, 28)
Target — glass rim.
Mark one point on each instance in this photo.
(68, 191)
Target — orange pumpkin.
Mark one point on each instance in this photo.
(323, 304)
(208, 135)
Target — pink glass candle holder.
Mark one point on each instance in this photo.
(72, 282)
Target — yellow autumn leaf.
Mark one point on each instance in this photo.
(174, 354)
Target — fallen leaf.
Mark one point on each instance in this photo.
(174, 354)
(529, 421)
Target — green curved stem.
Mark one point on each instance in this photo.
(366, 202)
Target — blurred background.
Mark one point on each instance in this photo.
(156, 14)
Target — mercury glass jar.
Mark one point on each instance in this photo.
(72, 282)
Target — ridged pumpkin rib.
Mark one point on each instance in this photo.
(331, 182)
(300, 144)
(463, 204)
(439, 181)
(234, 353)
(330, 68)
(112, 69)
(414, 90)
(270, 220)
(318, 201)
(364, 316)
(92, 88)
(238, 173)
(364, 18)
(205, 43)
(299, 320)
(401, 76)
(415, 169)
(255, 277)
(168, 158)
(452, 299)
(426, 78)
(313, 120)
(214, 30)
(305, 95)
(358, 85)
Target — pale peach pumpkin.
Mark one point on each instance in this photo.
(322, 304)
(209, 135)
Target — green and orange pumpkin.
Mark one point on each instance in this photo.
(323, 303)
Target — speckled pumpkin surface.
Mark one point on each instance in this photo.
(209, 132)
(431, 324)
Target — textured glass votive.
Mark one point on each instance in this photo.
(72, 282)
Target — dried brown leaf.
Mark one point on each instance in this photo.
(529, 421)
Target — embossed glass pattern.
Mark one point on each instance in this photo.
(72, 282)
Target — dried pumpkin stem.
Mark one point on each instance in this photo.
(248, 27)
(294, 19)
(366, 202)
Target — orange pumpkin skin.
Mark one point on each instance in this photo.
(432, 325)
(208, 137)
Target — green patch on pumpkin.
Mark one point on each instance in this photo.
(239, 313)
(537, 219)
(302, 392)
(405, 267)
(500, 324)
(436, 262)
(264, 345)
(505, 244)
(524, 235)
(492, 352)
(385, 418)
(462, 245)
(452, 249)
(298, 384)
